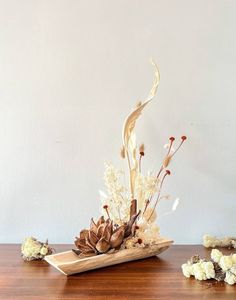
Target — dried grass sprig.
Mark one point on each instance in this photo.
(128, 135)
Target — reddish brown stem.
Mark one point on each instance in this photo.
(159, 193)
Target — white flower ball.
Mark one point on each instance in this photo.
(208, 269)
(234, 258)
(216, 255)
(233, 269)
(230, 278)
(30, 247)
(44, 251)
(199, 271)
(226, 262)
(208, 241)
(187, 270)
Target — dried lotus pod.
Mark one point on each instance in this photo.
(103, 236)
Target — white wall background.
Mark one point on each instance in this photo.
(69, 73)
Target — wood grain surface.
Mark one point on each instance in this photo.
(152, 278)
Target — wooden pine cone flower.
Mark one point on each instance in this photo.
(103, 236)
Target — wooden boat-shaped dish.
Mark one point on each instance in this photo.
(69, 263)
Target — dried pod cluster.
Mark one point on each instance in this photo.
(103, 236)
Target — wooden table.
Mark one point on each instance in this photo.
(152, 278)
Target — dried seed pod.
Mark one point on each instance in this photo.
(122, 152)
(102, 245)
(166, 161)
(117, 237)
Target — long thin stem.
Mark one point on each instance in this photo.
(159, 193)
(139, 165)
(183, 139)
(130, 179)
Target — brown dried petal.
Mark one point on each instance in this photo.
(83, 234)
(101, 230)
(100, 221)
(133, 208)
(76, 251)
(83, 247)
(93, 226)
(81, 241)
(107, 232)
(92, 238)
(129, 225)
(117, 237)
(102, 246)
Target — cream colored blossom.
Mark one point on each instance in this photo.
(142, 224)
(44, 251)
(32, 249)
(226, 262)
(230, 278)
(145, 187)
(130, 243)
(208, 269)
(187, 270)
(208, 241)
(199, 271)
(234, 258)
(149, 235)
(233, 269)
(216, 255)
(117, 199)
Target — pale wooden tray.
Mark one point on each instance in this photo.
(68, 262)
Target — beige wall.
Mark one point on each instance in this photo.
(69, 73)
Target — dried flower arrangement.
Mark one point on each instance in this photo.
(130, 211)
(127, 229)
(220, 267)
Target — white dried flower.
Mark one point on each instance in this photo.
(44, 251)
(199, 272)
(234, 258)
(226, 262)
(145, 187)
(208, 269)
(212, 241)
(117, 200)
(187, 269)
(130, 243)
(216, 255)
(32, 249)
(230, 278)
(208, 241)
(142, 224)
(150, 235)
(233, 269)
